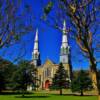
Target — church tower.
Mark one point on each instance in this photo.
(36, 53)
(65, 52)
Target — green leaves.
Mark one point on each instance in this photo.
(48, 8)
(81, 83)
(6, 72)
(63, 1)
(16, 37)
(24, 76)
(60, 79)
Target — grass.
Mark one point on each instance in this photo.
(43, 96)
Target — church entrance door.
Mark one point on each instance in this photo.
(47, 84)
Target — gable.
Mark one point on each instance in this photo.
(48, 62)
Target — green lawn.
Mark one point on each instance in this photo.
(46, 97)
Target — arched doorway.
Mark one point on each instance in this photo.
(47, 84)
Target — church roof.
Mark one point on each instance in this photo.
(48, 62)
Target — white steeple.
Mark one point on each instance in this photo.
(64, 37)
(35, 53)
(64, 27)
(36, 42)
(64, 53)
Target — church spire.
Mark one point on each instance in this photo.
(64, 27)
(64, 46)
(65, 57)
(35, 53)
(36, 42)
(64, 37)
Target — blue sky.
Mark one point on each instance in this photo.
(49, 42)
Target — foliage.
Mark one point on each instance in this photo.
(24, 76)
(48, 8)
(2, 81)
(60, 79)
(81, 83)
(6, 71)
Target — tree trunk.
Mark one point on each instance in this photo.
(82, 93)
(60, 91)
(95, 80)
(93, 67)
(23, 94)
(94, 74)
(99, 97)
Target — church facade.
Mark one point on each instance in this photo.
(46, 71)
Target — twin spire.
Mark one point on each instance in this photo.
(36, 54)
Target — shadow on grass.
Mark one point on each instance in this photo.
(72, 95)
(32, 96)
(14, 93)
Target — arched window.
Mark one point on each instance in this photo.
(48, 72)
(36, 56)
(62, 50)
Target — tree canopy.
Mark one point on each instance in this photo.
(60, 80)
(24, 76)
(81, 83)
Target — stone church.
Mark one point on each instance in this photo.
(47, 70)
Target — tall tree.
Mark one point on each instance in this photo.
(6, 71)
(81, 83)
(99, 78)
(2, 81)
(23, 76)
(60, 80)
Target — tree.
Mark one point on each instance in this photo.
(99, 78)
(60, 80)
(13, 21)
(16, 21)
(7, 69)
(81, 83)
(23, 76)
(83, 16)
(2, 81)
